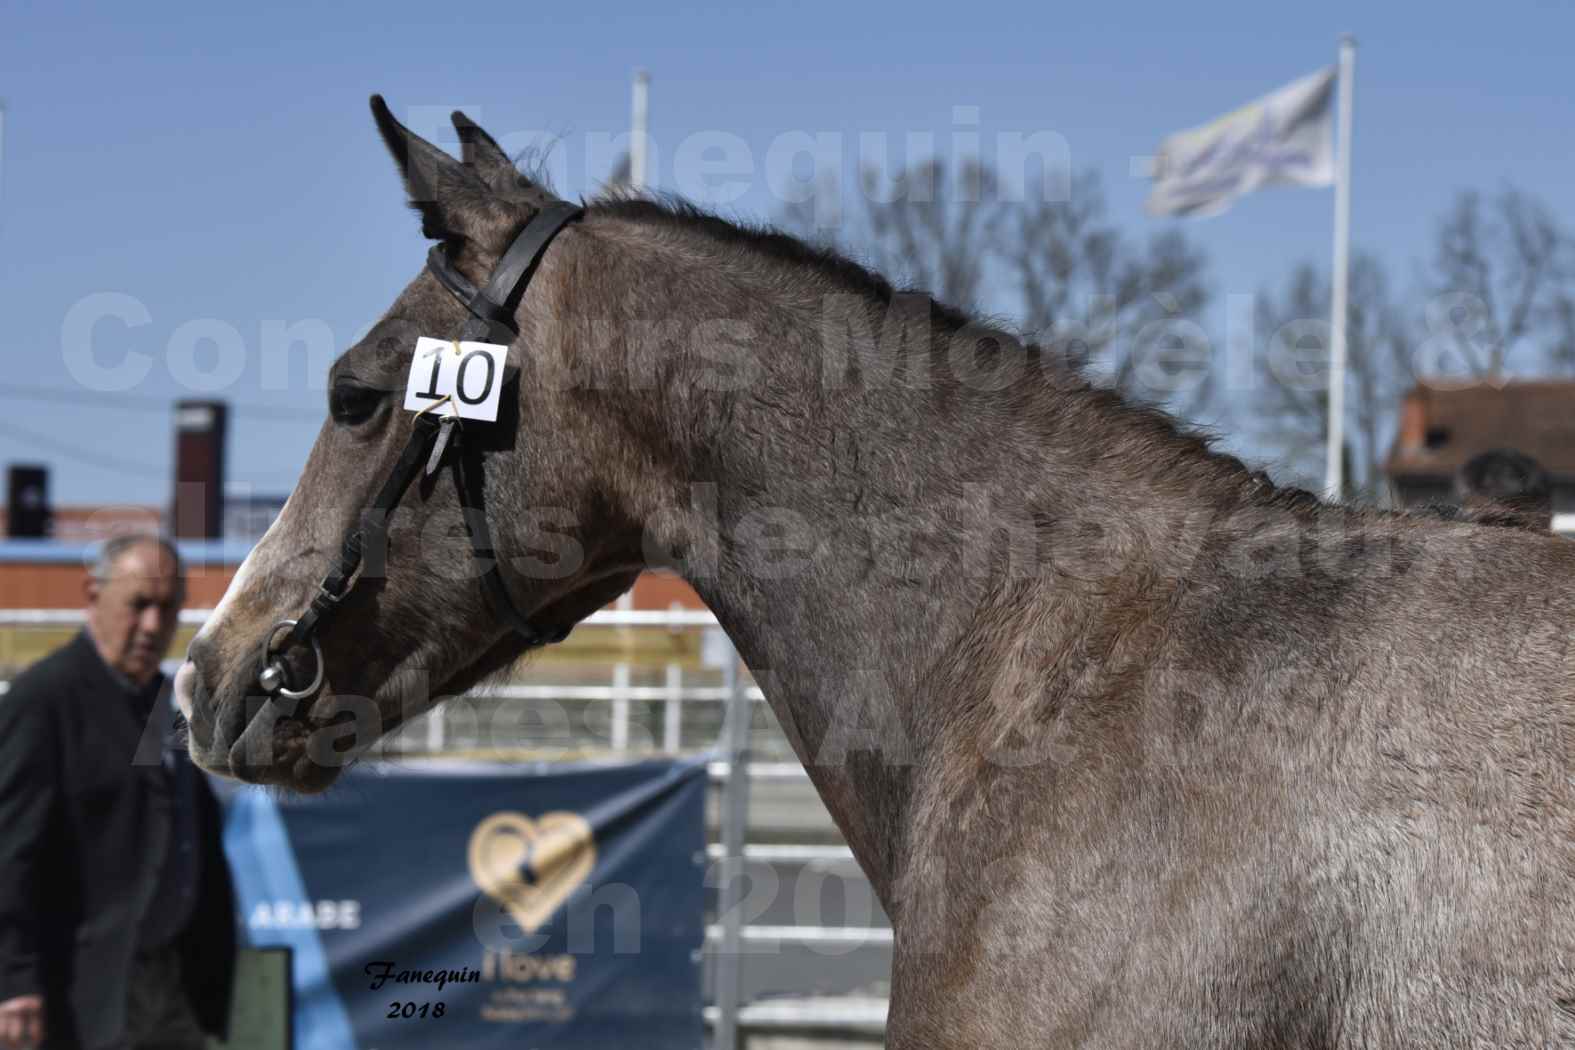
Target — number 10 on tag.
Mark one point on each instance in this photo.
(470, 375)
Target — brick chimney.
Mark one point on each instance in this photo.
(197, 512)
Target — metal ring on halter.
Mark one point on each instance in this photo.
(271, 678)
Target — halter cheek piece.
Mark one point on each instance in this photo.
(491, 310)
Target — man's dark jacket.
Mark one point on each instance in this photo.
(80, 775)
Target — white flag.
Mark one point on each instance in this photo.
(1283, 138)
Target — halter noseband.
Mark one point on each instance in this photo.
(491, 310)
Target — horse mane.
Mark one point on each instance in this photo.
(772, 242)
(1154, 433)
(1495, 515)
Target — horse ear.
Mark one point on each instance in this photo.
(484, 156)
(452, 200)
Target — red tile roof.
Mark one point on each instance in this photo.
(1444, 423)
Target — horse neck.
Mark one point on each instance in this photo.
(867, 539)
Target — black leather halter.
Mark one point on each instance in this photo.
(491, 320)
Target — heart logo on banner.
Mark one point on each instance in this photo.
(531, 866)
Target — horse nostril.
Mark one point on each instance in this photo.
(193, 689)
(186, 688)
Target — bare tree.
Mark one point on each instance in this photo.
(927, 227)
(1060, 267)
(1501, 282)
(1103, 303)
(1500, 285)
(621, 174)
(1562, 352)
(1290, 407)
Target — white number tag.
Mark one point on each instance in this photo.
(470, 375)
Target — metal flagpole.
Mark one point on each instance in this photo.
(734, 819)
(1334, 467)
(637, 131)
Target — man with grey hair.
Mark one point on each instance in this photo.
(117, 917)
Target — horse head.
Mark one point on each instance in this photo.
(408, 611)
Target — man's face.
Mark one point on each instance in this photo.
(132, 615)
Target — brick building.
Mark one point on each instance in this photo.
(1443, 424)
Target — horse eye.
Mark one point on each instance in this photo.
(352, 403)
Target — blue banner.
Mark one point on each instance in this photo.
(479, 905)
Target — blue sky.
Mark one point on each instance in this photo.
(214, 169)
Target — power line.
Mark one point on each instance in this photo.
(88, 456)
(94, 458)
(146, 403)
